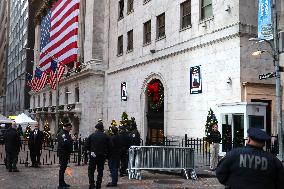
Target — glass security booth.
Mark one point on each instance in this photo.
(235, 118)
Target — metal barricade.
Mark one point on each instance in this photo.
(160, 158)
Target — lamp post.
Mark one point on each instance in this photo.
(275, 56)
(57, 88)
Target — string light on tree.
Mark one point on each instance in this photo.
(27, 132)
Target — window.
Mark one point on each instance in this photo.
(130, 40)
(206, 9)
(130, 6)
(185, 9)
(66, 95)
(38, 101)
(44, 99)
(120, 45)
(147, 32)
(120, 9)
(77, 93)
(161, 26)
(50, 98)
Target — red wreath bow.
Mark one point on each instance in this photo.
(153, 91)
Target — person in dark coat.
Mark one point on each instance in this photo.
(134, 134)
(125, 144)
(35, 145)
(214, 139)
(64, 149)
(114, 157)
(250, 167)
(98, 145)
(12, 147)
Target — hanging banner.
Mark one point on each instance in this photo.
(123, 91)
(265, 30)
(195, 80)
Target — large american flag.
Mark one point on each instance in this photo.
(59, 34)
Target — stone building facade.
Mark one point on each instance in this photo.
(3, 52)
(126, 45)
(216, 39)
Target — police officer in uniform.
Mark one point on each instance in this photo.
(250, 167)
(64, 149)
(98, 145)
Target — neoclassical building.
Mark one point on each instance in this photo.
(166, 63)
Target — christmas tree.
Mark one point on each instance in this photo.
(124, 119)
(46, 133)
(27, 132)
(211, 120)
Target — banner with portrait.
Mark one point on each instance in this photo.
(195, 80)
(123, 91)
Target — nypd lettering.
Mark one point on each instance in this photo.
(253, 162)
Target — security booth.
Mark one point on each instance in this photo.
(235, 118)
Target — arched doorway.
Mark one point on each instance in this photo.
(155, 112)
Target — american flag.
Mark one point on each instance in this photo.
(54, 75)
(29, 81)
(39, 80)
(59, 34)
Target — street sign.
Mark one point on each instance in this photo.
(268, 75)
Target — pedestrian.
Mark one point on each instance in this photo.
(12, 147)
(114, 156)
(35, 145)
(98, 146)
(250, 167)
(64, 149)
(134, 134)
(125, 144)
(214, 139)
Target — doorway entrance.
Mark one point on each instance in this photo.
(155, 113)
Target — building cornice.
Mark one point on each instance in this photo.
(85, 73)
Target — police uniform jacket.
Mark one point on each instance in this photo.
(134, 138)
(12, 141)
(125, 141)
(98, 143)
(250, 168)
(65, 142)
(115, 147)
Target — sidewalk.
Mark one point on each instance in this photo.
(46, 177)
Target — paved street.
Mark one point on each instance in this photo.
(47, 178)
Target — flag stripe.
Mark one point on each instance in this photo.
(65, 48)
(67, 39)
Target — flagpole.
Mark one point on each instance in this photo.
(57, 103)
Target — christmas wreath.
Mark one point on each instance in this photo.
(156, 93)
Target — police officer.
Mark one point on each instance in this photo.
(114, 157)
(98, 146)
(64, 149)
(134, 133)
(125, 144)
(250, 167)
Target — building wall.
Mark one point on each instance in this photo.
(3, 52)
(214, 44)
(17, 64)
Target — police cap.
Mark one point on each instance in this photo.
(258, 134)
(100, 126)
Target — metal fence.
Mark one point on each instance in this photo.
(160, 158)
(48, 153)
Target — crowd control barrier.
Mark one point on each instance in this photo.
(160, 158)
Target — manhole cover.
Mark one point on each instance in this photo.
(168, 181)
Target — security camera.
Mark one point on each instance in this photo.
(229, 80)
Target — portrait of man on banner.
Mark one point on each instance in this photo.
(195, 80)
(123, 91)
